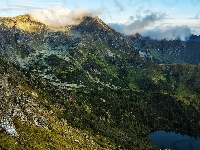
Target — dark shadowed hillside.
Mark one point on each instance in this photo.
(167, 51)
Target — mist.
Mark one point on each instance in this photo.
(169, 33)
(59, 16)
(142, 26)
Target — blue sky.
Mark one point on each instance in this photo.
(178, 12)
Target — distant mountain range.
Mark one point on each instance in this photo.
(89, 87)
(195, 38)
(167, 51)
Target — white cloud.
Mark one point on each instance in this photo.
(169, 33)
(59, 16)
(146, 27)
(140, 24)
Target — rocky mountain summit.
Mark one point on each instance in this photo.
(88, 87)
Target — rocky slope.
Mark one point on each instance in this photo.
(87, 87)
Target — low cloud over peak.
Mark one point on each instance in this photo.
(59, 16)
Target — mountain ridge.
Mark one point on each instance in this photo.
(166, 51)
(90, 89)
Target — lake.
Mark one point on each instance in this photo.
(174, 141)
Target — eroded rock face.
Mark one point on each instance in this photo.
(18, 102)
(7, 125)
(5, 119)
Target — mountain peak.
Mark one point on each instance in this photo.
(23, 22)
(91, 24)
(31, 24)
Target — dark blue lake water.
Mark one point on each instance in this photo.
(174, 141)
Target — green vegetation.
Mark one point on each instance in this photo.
(148, 99)
(93, 93)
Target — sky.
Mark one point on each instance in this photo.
(168, 14)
